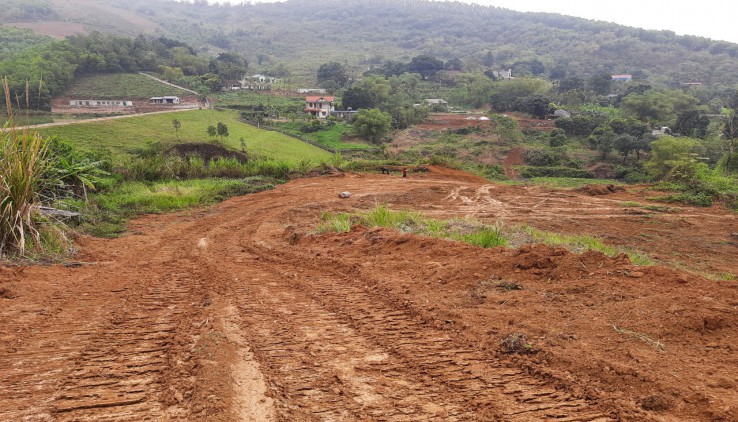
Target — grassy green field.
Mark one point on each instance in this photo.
(329, 137)
(120, 85)
(237, 98)
(128, 135)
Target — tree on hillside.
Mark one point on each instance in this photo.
(625, 143)
(730, 139)
(427, 66)
(508, 92)
(489, 59)
(536, 105)
(356, 98)
(669, 152)
(570, 83)
(602, 139)
(600, 83)
(212, 131)
(229, 66)
(222, 130)
(177, 124)
(372, 124)
(692, 123)
(660, 107)
(332, 72)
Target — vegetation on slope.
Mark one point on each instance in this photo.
(119, 85)
(303, 34)
(129, 135)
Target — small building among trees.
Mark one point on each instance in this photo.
(164, 100)
(318, 106)
(100, 103)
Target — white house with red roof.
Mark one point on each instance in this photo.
(319, 106)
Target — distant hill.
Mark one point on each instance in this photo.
(302, 34)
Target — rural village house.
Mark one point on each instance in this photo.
(258, 82)
(164, 100)
(311, 91)
(622, 78)
(318, 106)
(101, 103)
(232, 85)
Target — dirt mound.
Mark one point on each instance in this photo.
(602, 171)
(596, 190)
(450, 173)
(206, 151)
(515, 157)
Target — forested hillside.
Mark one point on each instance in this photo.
(301, 35)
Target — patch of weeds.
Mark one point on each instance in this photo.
(583, 243)
(631, 204)
(656, 344)
(487, 237)
(508, 286)
(412, 222)
(655, 402)
(381, 216)
(516, 343)
(106, 214)
(6, 293)
(339, 223)
(697, 199)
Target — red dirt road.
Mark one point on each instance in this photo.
(239, 312)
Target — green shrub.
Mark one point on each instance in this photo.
(487, 237)
(541, 157)
(531, 172)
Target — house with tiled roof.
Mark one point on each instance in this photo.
(319, 106)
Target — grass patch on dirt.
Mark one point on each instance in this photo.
(649, 207)
(329, 136)
(120, 85)
(564, 182)
(126, 136)
(656, 344)
(412, 222)
(106, 214)
(583, 243)
(248, 97)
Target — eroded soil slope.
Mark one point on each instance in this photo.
(241, 312)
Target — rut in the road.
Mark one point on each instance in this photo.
(111, 363)
(332, 349)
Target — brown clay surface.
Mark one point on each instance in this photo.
(442, 121)
(240, 312)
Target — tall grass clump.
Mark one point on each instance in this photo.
(486, 237)
(475, 234)
(22, 164)
(583, 243)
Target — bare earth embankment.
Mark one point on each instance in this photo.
(240, 312)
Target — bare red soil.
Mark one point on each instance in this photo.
(242, 312)
(441, 121)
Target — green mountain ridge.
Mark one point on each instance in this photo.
(302, 34)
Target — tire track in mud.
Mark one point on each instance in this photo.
(332, 349)
(116, 346)
(480, 202)
(110, 366)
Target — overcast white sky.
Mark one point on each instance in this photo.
(715, 19)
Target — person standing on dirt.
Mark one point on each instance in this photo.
(404, 172)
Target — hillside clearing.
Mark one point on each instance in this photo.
(243, 309)
(131, 134)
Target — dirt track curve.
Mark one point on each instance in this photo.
(239, 312)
